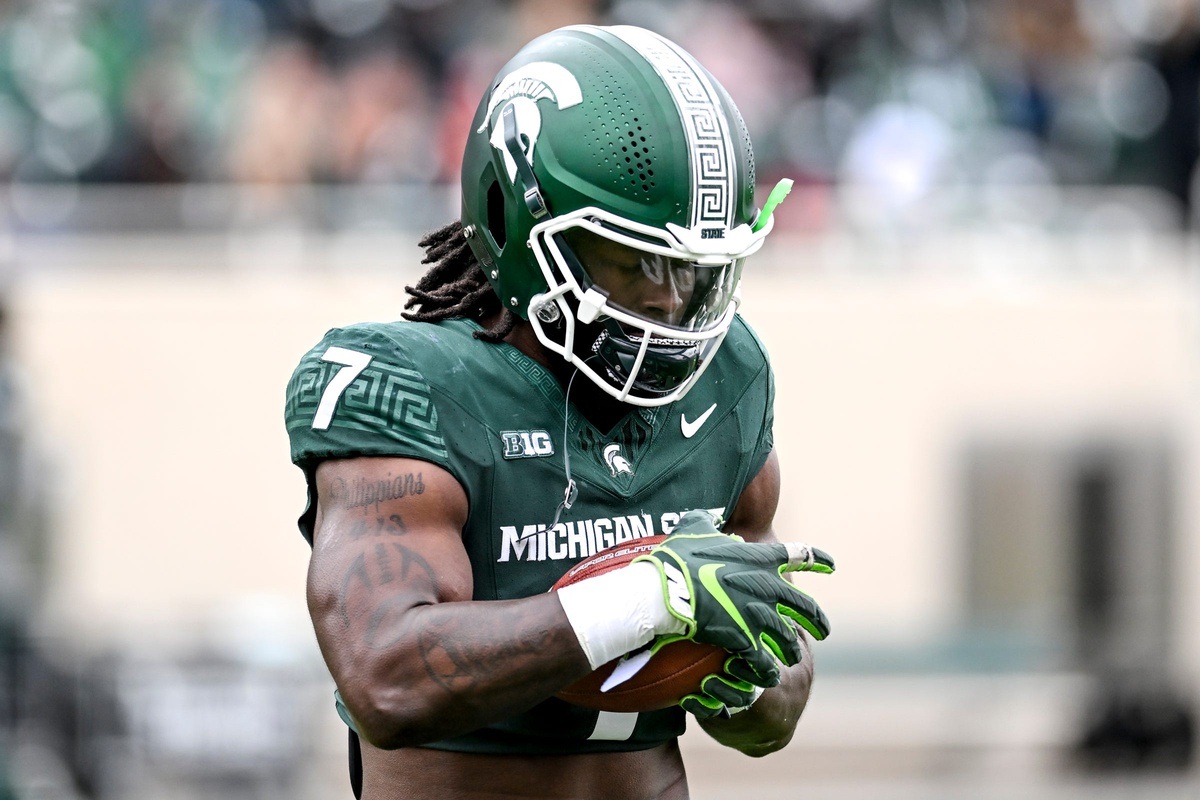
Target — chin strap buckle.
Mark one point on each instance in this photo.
(535, 203)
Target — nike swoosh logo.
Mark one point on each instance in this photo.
(689, 428)
(707, 575)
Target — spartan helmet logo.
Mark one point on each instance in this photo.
(617, 464)
(522, 89)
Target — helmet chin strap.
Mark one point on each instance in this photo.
(534, 201)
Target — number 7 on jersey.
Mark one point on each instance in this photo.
(353, 363)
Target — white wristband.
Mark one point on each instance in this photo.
(618, 611)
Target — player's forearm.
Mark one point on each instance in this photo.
(769, 724)
(436, 671)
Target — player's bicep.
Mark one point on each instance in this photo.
(753, 516)
(388, 538)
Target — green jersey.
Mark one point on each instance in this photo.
(499, 422)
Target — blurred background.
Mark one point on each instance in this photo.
(981, 300)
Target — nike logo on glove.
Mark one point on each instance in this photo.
(689, 428)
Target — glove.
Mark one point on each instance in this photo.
(723, 695)
(731, 593)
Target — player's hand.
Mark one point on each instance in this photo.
(724, 694)
(731, 593)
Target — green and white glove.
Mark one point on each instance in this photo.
(731, 593)
(723, 695)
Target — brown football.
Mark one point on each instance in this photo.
(675, 671)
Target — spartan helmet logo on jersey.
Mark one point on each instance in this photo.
(608, 194)
(617, 463)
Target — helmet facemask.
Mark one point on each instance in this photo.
(639, 311)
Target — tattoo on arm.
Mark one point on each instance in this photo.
(385, 564)
(449, 664)
(368, 573)
(357, 572)
(364, 494)
(416, 574)
(455, 669)
(393, 525)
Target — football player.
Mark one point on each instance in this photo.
(572, 374)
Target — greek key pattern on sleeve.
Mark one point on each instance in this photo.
(383, 399)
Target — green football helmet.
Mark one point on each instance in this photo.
(608, 195)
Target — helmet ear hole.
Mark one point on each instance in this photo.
(495, 215)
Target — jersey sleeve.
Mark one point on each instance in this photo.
(357, 393)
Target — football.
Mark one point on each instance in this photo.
(673, 672)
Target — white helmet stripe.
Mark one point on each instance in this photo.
(709, 147)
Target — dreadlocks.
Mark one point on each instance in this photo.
(455, 286)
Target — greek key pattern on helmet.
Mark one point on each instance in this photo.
(703, 125)
(383, 399)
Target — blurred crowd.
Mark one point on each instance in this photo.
(1001, 97)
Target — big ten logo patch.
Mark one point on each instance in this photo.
(526, 444)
